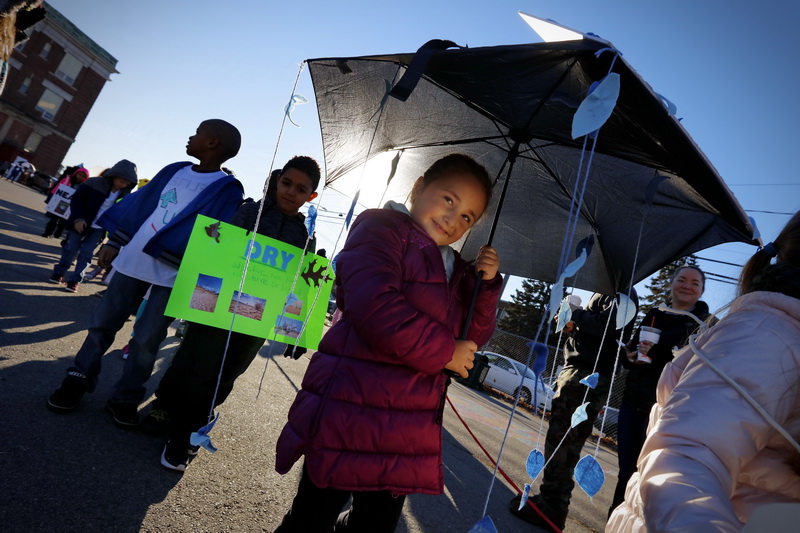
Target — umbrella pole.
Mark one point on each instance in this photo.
(512, 157)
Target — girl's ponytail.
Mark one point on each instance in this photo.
(785, 248)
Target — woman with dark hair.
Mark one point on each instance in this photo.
(646, 360)
(722, 440)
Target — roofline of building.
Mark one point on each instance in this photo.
(81, 38)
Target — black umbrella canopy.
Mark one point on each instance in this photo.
(511, 108)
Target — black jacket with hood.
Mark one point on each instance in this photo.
(90, 195)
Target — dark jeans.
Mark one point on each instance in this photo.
(316, 510)
(79, 248)
(557, 482)
(122, 298)
(631, 432)
(186, 391)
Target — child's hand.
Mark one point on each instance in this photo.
(487, 261)
(105, 255)
(463, 356)
(80, 225)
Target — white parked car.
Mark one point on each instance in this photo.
(506, 375)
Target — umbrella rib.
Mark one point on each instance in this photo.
(451, 143)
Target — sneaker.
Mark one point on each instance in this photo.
(156, 422)
(175, 457)
(72, 286)
(69, 394)
(125, 414)
(530, 515)
(55, 278)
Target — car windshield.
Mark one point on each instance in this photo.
(525, 370)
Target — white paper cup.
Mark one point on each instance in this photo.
(647, 334)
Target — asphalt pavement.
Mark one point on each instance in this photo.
(79, 473)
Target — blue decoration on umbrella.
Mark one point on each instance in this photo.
(201, 437)
(534, 464)
(756, 232)
(671, 108)
(564, 313)
(526, 492)
(349, 216)
(596, 107)
(311, 219)
(293, 102)
(579, 415)
(484, 526)
(626, 311)
(591, 380)
(584, 249)
(589, 475)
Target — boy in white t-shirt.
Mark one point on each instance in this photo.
(92, 198)
(152, 228)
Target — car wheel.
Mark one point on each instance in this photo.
(525, 396)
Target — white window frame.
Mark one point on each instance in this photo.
(69, 68)
(49, 114)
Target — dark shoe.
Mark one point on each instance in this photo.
(55, 278)
(69, 394)
(175, 456)
(156, 422)
(528, 514)
(72, 286)
(125, 414)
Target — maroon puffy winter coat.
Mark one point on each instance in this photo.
(366, 416)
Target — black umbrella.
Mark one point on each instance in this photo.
(511, 108)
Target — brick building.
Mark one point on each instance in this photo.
(54, 79)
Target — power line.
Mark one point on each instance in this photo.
(768, 212)
(763, 184)
(718, 261)
(721, 276)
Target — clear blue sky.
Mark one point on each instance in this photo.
(730, 67)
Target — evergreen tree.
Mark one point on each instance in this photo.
(527, 307)
(659, 284)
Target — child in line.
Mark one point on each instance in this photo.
(92, 198)
(368, 418)
(187, 389)
(72, 177)
(152, 227)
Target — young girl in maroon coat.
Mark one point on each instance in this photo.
(368, 416)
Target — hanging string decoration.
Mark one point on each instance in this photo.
(294, 101)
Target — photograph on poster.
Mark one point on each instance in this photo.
(288, 327)
(206, 293)
(247, 305)
(294, 306)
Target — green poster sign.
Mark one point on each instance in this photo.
(277, 299)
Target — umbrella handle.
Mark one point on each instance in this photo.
(468, 320)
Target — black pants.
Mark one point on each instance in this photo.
(316, 510)
(187, 388)
(563, 443)
(631, 433)
(55, 226)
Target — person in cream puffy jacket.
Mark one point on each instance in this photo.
(722, 439)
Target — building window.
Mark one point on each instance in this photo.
(49, 104)
(33, 142)
(19, 46)
(25, 85)
(45, 50)
(69, 69)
